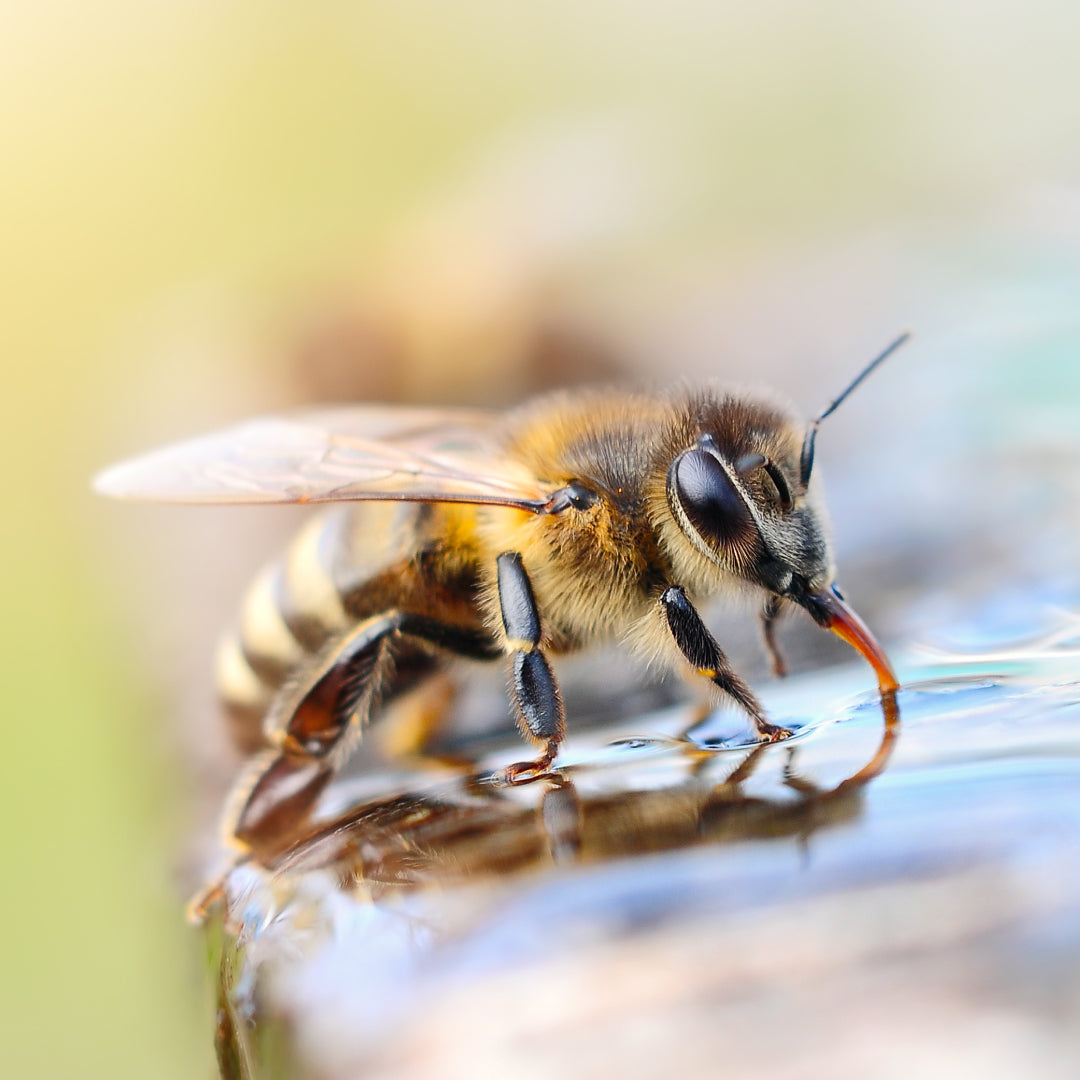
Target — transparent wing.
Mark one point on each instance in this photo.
(362, 452)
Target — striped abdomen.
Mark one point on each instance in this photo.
(346, 565)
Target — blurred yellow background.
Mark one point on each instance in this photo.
(173, 177)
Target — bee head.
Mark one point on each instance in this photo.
(743, 506)
(745, 497)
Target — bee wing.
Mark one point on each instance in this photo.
(364, 452)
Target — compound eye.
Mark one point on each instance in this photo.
(708, 498)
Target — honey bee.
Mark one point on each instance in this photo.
(578, 518)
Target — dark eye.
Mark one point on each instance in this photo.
(708, 498)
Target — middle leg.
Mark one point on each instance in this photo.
(535, 693)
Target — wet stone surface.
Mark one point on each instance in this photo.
(895, 891)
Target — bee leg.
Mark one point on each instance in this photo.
(769, 616)
(311, 720)
(407, 731)
(306, 723)
(702, 651)
(698, 715)
(534, 691)
(799, 784)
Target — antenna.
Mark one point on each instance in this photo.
(806, 459)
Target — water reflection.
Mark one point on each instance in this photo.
(686, 893)
(388, 888)
(586, 813)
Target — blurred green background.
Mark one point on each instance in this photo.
(172, 177)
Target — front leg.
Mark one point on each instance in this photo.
(708, 659)
(535, 694)
(769, 615)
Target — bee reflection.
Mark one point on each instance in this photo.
(479, 830)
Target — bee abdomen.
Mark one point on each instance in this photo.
(289, 613)
(308, 599)
(244, 696)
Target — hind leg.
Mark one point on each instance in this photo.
(315, 719)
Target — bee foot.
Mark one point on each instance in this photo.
(204, 901)
(525, 772)
(774, 733)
